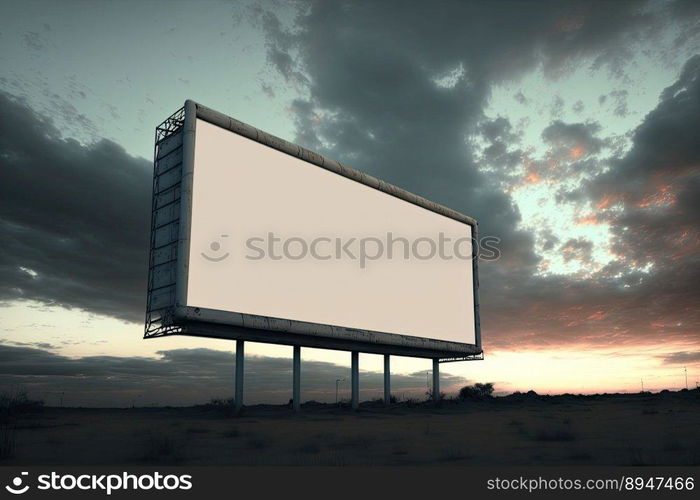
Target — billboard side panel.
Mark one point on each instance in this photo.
(183, 244)
(165, 226)
(475, 285)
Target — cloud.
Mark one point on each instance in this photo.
(500, 148)
(620, 97)
(576, 139)
(557, 108)
(184, 377)
(683, 357)
(371, 74)
(400, 92)
(39, 345)
(650, 198)
(74, 218)
(577, 249)
(373, 103)
(520, 98)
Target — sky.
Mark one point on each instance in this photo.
(570, 130)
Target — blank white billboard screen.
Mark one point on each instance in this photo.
(273, 235)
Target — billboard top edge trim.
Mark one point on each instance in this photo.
(232, 124)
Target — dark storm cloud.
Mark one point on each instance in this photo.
(182, 376)
(573, 135)
(74, 218)
(548, 238)
(651, 198)
(682, 358)
(500, 149)
(573, 150)
(398, 88)
(652, 195)
(371, 71)
(577, 249)
(374, 103)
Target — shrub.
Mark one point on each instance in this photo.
(220, 403)
(476, 392)
(17, 403)
(225, 407)
(441, 396)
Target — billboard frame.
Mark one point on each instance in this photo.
(176, 137)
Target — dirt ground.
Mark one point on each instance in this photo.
(661, 429)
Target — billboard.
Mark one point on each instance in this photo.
(257, 238)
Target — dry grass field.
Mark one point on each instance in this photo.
(659, 429)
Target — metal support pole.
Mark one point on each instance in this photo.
(387, 380)
(240, 355)
(296, 376)
(355, 382)
(436, 380)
